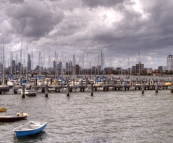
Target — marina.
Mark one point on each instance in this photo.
(86, 71)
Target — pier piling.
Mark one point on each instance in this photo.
(91, 89)
(15, 91)
(142, 88)
(68, 94)
(46, 90)
(23, 91)
(172, 86)
(156, 88)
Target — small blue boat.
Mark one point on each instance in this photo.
(29, 128)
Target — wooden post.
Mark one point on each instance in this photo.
(23, 91)
(20, 81)
(73, 82)
(35, 83)
(82, 82)
(108, 81)
(6, 82)
(15, 90)
(43, 90)
(46, 90)
(51, 81)
(142, 88)
(156, 89)
(172, 86)
(91, 89)
(55, 89)
(68, 94)
(95, 88)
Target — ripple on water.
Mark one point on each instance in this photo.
(107, 117)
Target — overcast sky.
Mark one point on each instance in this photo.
(120, 28)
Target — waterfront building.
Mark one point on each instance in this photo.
(37, 68)
(133, 68)
(170, 62)
(77, 67)
(162, 68)
(139, 68)
(109, 70)
(149, 71)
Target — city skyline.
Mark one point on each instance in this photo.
(121, 29)
(17, 66)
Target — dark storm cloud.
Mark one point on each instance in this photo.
(105, 3)
(16, 1)
(33, 21)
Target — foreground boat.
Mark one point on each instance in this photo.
(29, 128)
(19, 116)
(3, 109)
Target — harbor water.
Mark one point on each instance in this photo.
(107, 117)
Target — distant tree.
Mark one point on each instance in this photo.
(166, 72)
(143, 72)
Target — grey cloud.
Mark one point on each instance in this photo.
(33, 21)
(105, 3)
(16, 1)
(5, 39)
(152, 36)
(134, 33)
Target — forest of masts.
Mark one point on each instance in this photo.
(19, 65)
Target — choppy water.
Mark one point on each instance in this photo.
(107, 117)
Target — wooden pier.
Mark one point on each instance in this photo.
(106, 85)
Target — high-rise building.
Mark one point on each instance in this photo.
(139, 68)
(170, 62)
(29, 63)
(59, 66)
(13, 66)
(19, 67)
(54, 65)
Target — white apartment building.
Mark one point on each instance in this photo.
(170, 62)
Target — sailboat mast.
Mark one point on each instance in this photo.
(101, 62)
(55, 64)
(10, 62)
(39, 63)
(83, 63)
(21, 58)
(16, 63)
(3, 64)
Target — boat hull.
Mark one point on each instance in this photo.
(12, 119)
(3, 109)
(25, 133)
(30, 92)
